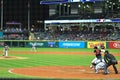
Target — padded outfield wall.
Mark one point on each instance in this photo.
(61, 44)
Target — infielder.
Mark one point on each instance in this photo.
(6, 48)
(34, 47)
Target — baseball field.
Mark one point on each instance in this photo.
(53, 63)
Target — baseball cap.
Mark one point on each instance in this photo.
(95, 47)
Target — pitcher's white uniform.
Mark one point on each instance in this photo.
(6, 48)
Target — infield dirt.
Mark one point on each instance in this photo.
(66, 72)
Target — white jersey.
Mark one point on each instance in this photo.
(6, 48)
(34, 47)
(99, 65)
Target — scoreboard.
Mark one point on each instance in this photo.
(53, 1)
(65, 1)
(81, 0)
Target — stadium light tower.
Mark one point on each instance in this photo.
(1, 14)
(28, 15)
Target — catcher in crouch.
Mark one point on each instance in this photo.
(98, 65)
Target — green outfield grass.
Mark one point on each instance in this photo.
(60, 49)
(46, 60)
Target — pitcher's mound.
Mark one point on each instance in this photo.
(12, 57)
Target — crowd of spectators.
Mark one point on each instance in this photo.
(15, 33)
(109, 35)
(72, 35)
(15, 30)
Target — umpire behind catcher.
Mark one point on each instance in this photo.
(110, 60)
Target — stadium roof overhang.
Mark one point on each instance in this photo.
(82, 21)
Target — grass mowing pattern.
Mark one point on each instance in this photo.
(60, 49)
(46, 60)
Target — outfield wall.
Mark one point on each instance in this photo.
(61, 44)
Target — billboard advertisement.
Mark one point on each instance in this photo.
(114, 45)
(52, 44)
(71, 44)
(91, 44)
(49, 44)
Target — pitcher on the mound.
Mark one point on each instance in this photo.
(6, 48)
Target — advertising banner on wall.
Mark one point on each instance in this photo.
(49, 44)
(37, 44)
(91, 44)
(114, 45)
(71, 44)
(52, 44)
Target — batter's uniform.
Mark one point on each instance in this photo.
(6, 48)
(97, 53)
(110, 60)
(93, 63)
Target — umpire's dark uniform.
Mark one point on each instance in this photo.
(110, 60)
